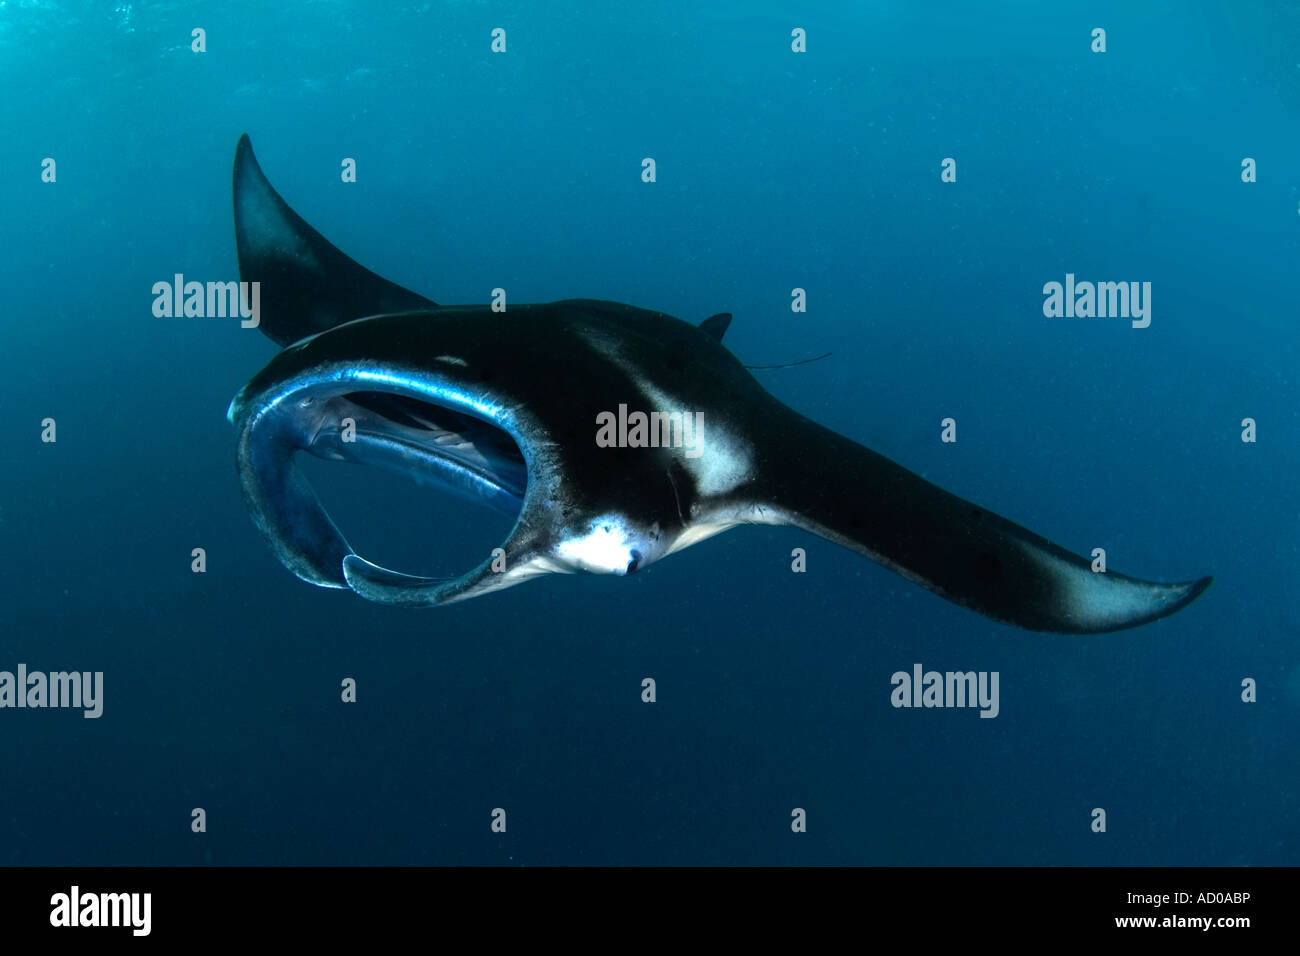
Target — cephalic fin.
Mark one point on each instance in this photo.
(383, 586)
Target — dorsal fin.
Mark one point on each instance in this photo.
(716, 325)
(307, 285)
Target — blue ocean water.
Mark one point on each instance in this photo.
(775, 170)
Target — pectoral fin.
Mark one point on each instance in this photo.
(307, 285)
(961, 551)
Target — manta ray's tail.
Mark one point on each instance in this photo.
(961, 551)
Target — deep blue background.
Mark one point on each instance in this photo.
(775, 170)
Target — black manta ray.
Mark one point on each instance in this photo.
(506, 408)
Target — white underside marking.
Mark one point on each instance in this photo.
(1093, 599)
(721, 521)
(724, 461)
(606, 548)
(512, 575)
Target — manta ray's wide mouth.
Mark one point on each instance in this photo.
(405, 508)
(432, 444)
(435, 445)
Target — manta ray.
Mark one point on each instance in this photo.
(506, 408)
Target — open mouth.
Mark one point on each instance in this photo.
(436, 446)
(408, 448)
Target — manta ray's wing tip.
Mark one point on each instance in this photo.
(1138, 602)
(1189, 591)
(244, 155)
